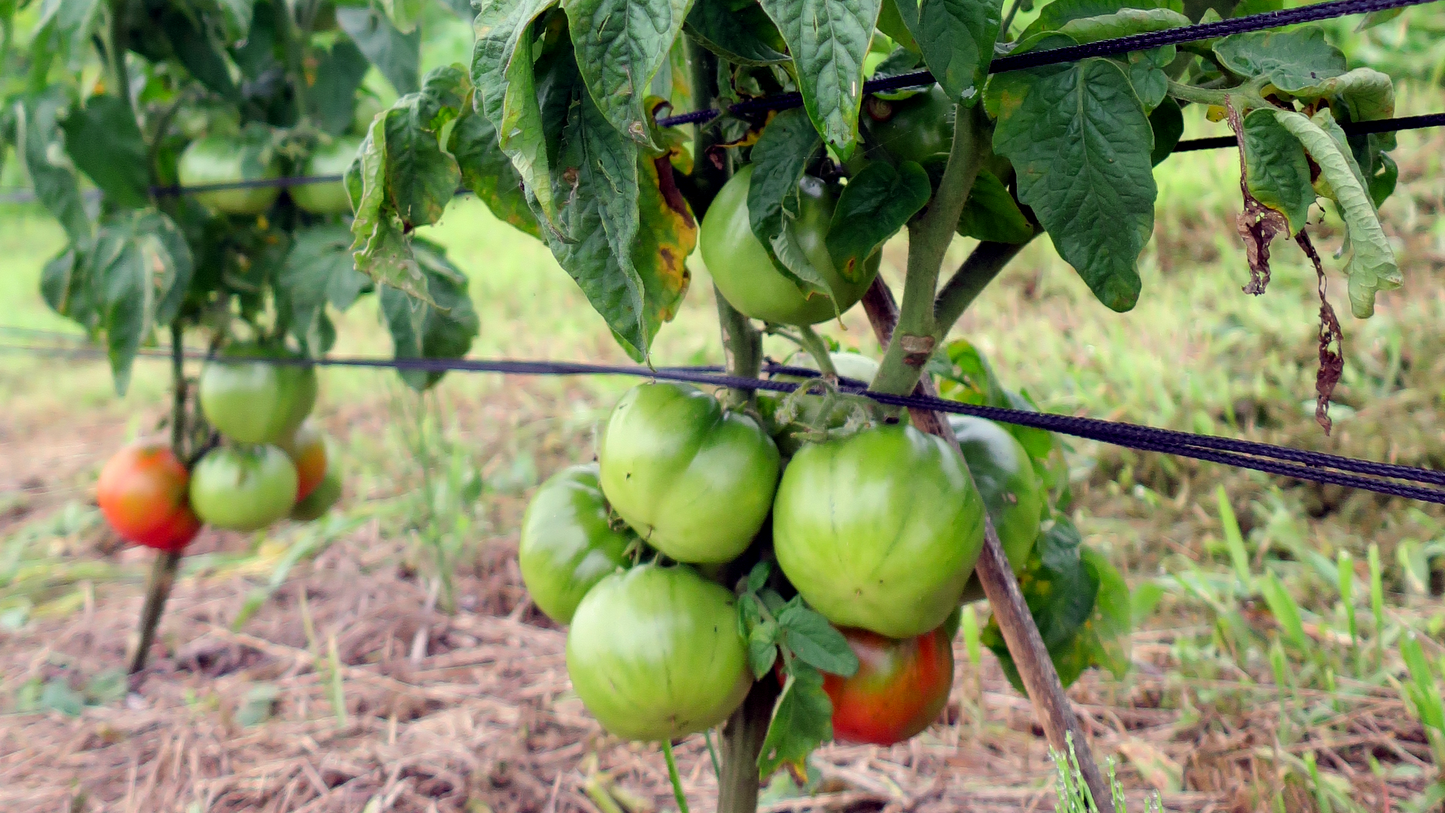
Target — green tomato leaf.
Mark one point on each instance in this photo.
(52, 174)
(1080, 141)
(339, 72)
(318, 270)
(104, 142)
(815, 641)
(1147, 74)
(893, 25)
(780, 158)
(505, 78)
(1371, 265)
(380, 244)
(1108, 628)
(138, 272)
(828, 40)
(1122, 23)
(421, 178)
(395, 54)
(875, 204)
(66, 289)
(758, 576)
(802, 720)
(991, 214)
(1277, 169)
(234, 17)
(620, 46)
(1059, 587)
(744, 37)
(956, 38)
(762, 648)
(1292, 60)
(1167, 121)
(488, 172)
(197, 50)
(405, 14)
(420, 329)
(1054, 16)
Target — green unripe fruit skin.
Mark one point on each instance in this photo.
(567, 543)
(215, 160)
(328, 198)
(243, 488)
(256, 401)
(879, 530)
(654, 653)
(742, 270)
(694, 481)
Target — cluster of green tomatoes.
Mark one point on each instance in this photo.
(270, 464)
(876, 526)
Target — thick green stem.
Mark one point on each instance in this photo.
(118, 43)
(981, 267)
(291, 37)
(928, 239)
(674, 778)
(813, 343)
(1244, 97)
(742, 743)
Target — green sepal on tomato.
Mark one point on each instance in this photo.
(654, 653)
(251, 399)
(900, 687)
(143, 493)
(694, 480)
(243, 488)
(219, 159)
(744, 272)
(879, 530)
(568, 543)
(330, 197)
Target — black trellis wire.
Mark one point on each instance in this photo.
(1284, 461)
(1074, 53)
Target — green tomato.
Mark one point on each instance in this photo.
(918, 128)
(1007, 482)
(321, 498)
(327, 198)
(243, 488)
(879, 530)
(568, 543)
(693, 480)
(744, 273)
(368, 107)
(255, 401)
(654, 653)
(217, 159)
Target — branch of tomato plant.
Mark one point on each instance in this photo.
(292, 40)
(163, 573)
(117, 44)
(929, 236)
(983, 264)
(910, 335)
(1243, 97)
(813, 343)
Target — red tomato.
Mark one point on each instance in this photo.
(899, 689)
(143, 494)
(307, 449)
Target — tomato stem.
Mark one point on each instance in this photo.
(983, 264)
(672, 775)
(813, 343)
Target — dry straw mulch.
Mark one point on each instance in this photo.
(473, 712)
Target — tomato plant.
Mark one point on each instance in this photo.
(694, 480)
(143, 495)
(879, 530)
(654, 653)
(569, 542)
(899, 689)
(249, 398)
(742, 271)
(221, 160)
(914, 128)
(243, 488)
